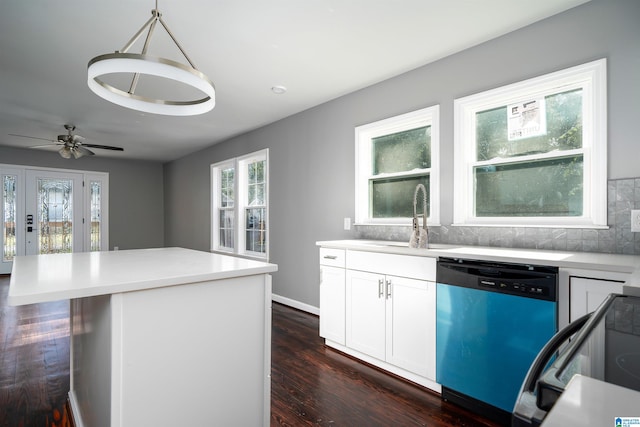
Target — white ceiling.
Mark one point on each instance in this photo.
(318, 49)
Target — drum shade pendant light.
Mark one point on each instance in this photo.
(136, 64)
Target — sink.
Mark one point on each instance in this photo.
(395, 244)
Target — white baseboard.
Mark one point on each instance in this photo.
(75, 409)
(295, 304)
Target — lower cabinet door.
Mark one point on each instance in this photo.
(411, 325)
(586, 294)
(332, 304)
(365, 310)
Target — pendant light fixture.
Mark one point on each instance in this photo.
(137, 64)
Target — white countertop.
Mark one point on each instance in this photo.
(42, 278)
(588, 402)
(579, 260)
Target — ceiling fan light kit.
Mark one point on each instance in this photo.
(137, 64)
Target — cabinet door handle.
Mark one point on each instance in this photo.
(330, 257)
(388, 289)
(380, 288)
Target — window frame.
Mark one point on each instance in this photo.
(429, 116)
(216, 204)
(591, 78)
(240, 204)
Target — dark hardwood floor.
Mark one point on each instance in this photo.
(311, 385)
(34, 362)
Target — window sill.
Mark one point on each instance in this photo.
(395, 224)
(550, 225)
(233, 254)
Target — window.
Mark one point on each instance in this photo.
(240, 205)
(393, 156)
(534, 153)
(226, 206)
(9, 201)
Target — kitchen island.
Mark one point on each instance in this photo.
(160, 337)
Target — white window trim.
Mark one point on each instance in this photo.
(429, 116)
(243, 163)
(592, 78)
(239, 206)
(216, 178)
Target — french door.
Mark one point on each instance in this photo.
(51, 211)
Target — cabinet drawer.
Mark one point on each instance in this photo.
(415, 267)
(332, 257)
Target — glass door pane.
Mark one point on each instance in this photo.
(95, 202)
(54, 212)
(11, 205)
(54, 217)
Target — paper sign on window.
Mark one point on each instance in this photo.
(526, 119)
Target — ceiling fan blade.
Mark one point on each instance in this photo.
(103, 147)
(70, 144)
(32, 137)
(57, 144)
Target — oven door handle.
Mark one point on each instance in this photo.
(549, 349)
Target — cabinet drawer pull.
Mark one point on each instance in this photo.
(330, 257)
(380, 288)
(388, 289)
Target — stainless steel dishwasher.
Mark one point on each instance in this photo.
(492, 320)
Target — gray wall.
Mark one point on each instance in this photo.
(312, 153)
(136, 204)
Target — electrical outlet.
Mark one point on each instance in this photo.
(635, 220)
(347, 223)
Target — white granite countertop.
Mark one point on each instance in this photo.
(588, 402)
(579, 260)
(42, 278)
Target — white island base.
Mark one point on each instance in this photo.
(160, 337)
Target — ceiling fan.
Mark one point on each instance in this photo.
(71, 145)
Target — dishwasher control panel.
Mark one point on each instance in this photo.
(526, 280)
(514, 287)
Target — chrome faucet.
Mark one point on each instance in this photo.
(419, 236)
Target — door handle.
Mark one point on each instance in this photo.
(380, 288)
(388, 282)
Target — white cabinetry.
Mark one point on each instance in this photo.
(587, 294)
(392, 319)
(332, 294)
(388, 310)
(411, 325)
(581, 291)
(366, 313)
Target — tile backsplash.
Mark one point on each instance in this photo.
(623, 195)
